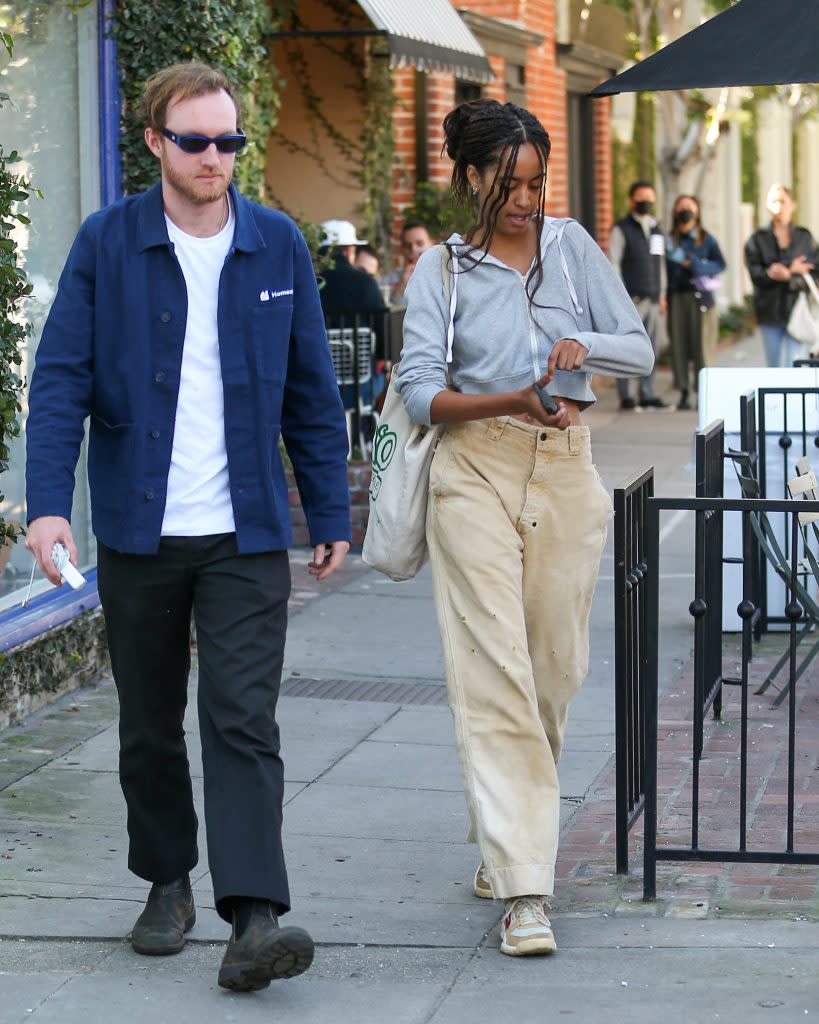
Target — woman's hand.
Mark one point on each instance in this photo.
(566, 354)
(779, 272)
(801, 265)
(530, 405)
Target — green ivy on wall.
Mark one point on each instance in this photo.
(439, 210)
(364, 156)
(231, 35)
(71, 655)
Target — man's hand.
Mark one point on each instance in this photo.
(779, 272)
(566, 354)
(41, 536)
(663, 305)
(335, 553)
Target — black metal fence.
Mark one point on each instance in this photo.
(637, 569)
(788, 429)
(708, 563)
(652, 851)
(751, 558)
(631, 568)
(363, 346)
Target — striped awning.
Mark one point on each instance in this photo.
(428, 35)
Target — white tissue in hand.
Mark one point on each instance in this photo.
(62, 562)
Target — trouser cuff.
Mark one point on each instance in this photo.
(522, 880)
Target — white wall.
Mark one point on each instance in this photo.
(807, 213)
(774, 142)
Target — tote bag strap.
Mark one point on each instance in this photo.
(449, 277)
(812, 287)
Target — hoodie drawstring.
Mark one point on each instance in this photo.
(577, 307)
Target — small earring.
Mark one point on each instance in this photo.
(474, 190)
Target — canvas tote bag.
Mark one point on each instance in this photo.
(803, 323)
(395, 542)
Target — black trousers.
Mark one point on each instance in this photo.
(239, 604)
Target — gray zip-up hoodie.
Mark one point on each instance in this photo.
(501, 342)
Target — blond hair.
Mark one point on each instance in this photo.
(181, 82)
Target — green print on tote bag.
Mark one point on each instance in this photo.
(384, 444)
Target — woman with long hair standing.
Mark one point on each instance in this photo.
(517, 515)
(777, 255)
(694, 261)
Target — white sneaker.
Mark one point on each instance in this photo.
(525, 929)
(481, 886)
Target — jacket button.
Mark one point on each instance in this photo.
(154, 433)
(149, 495)
(159, 377)
(544, 436)
(165, 317)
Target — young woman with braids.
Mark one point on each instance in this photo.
(517, 514)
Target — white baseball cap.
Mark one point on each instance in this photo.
(340, 232)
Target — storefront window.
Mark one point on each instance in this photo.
(53, 124)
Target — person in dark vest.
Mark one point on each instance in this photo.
(637, 253)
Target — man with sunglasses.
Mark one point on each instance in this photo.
(187, 325)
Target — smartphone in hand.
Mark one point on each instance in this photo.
(546, 400)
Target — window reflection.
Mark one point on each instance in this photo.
(47, 122)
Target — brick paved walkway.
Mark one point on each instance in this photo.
(586, 879)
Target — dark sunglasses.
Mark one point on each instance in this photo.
(199, 143)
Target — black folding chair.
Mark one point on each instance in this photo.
(806, 569)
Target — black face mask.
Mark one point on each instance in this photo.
(685, 216)
(642, 207)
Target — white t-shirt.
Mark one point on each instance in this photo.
(198, 497)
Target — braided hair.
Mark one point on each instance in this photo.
(487, 134)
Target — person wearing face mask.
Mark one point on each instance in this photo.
(637, 253)
(694, 262)
(777, 256)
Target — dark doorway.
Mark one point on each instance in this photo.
(581, 161)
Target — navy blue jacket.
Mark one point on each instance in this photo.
(111, 349)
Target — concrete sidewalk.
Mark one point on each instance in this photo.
(375, 824)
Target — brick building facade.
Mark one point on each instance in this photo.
(521, 41)
(539, 59)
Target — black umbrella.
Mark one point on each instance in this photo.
(755, 42)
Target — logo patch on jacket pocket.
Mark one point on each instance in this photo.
(266, 296)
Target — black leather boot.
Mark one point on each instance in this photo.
(168, 914)
(260, 951)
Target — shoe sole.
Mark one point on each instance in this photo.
(167, 950)
(483, 894)
(530, 947)
(286, 955)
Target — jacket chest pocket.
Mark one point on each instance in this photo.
(270, 337)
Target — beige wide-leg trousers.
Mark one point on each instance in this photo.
(516, 524)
